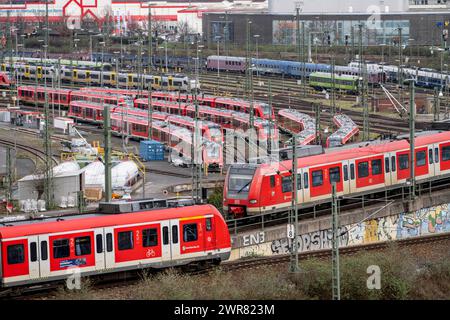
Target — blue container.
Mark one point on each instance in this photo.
(151, 150)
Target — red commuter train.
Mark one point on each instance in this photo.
(362, 169)
(43, 251)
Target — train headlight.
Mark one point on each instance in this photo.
(253, 201)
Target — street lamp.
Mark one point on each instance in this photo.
(218, 60)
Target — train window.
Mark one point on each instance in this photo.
(33, 251)
(44, 254)
(165, 235)
(446, 153)
(208, 224)
(393, 164)
(272, 181)
(61, 248)
(82, 246)
(363, 169)
(335, 174)
(286, 184)
(190, 232)
(421, 158)
(99, 242)
(403, 161)
(109, 242)
(15, 253)
(352, 171)
(317, 178)
(125, 240)
(386, 165)
(299, 181)
(430, 156)
(305, 180)
(376, 167)
(436, 155)
(345, 172)
(149, 237)
(175, 234)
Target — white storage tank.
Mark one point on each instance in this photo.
(94, 174)
(66, 167)
(123, 174)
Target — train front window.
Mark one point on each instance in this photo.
(239, 184)
(266, 109)
(213, 151)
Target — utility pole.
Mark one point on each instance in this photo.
(196, 154)
(9, 175)
(353, 43)
(150, 41)
(269, 141)
(249, 76)
(150, 111)
(436, 108)
(48, 176)
(400, 65)
(303, 60)
(363, 86)
(316, 109)
(336, 283)
(293, 213)
(412, 129)
(333, 83)
(107, 162)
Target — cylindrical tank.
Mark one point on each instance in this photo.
(123, 173)
(66, 167)
(94, 174)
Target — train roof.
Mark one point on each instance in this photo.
(75, 223)
(362, 150)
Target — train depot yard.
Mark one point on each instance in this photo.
(224, 150)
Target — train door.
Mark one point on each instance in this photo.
(175, 239)
(388, 170)
(431, 161)
(99, 249)
(88, 77)
(166, 254)
(27, 72)
(352, 175)
(109, 259)
(130, 81)
(33, 261)
(75, 75)
(346, 185)
(156, 82)
(170, 79)
(305, 197)
(3, 67)
(39, 72)
(210, 234)
(113, 78)
(393, 168)
(44, 256)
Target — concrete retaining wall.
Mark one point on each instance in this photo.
(396, 221)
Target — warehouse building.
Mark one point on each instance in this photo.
(422, 22)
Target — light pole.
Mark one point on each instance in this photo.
(218, 61)
(256, 36)
(101, 70)
(410, 40)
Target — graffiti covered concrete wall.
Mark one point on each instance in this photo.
(421, 222)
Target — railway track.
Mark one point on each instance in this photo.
(49, 291)
(34, 151)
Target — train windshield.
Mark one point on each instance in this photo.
(213, 151)
(266, 109)
(215, 132)
(240, 179)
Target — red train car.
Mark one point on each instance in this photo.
(266, 188)
(4, 80)
(96, 244)
(36, 94)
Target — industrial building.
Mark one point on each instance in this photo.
(422, 22)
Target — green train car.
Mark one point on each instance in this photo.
(323, 80)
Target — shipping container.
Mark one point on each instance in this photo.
(151, 150)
